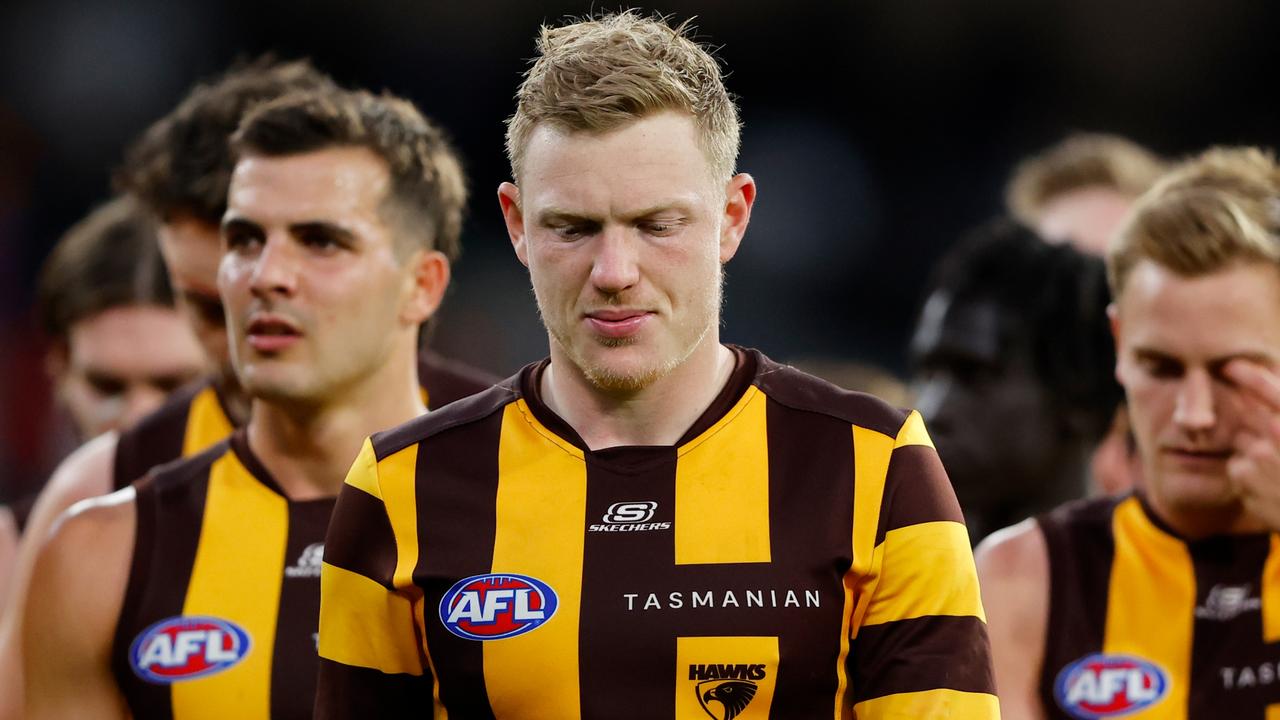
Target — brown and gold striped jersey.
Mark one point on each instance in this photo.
(194, 417)
(1147, 625)
(798, 554)
(219, 614)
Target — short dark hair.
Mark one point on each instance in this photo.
(428, 187)
(109, 259)
(1058, 295)
(181, 165)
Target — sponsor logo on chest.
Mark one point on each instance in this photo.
(1104, 686)
(725, 690)
(497, 606)
(187, 647)
(630, 517)
(1227, 602)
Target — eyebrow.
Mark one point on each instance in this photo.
(295, 229)
(553, 214)
(1261, 358)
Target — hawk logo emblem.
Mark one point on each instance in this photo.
(725, 699)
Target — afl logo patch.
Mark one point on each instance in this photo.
(494, 606)
(1104, 686)
(185, 648)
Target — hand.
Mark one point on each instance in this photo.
(1254, 467)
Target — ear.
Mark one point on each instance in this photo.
(428, 281)
(57, 359)
(740, 195)
(513, 216)
(1113, 318)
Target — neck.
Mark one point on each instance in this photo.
(658, 414)
(235, 401)
(309, 447)
(1198, 523)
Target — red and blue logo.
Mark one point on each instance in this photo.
(187, 647)
(497, 606)
(1104, 686)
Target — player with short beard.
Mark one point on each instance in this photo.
(462, 530)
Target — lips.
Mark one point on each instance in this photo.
(1198, 456)
(617, 323)
(271, 333)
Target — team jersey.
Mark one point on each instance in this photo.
(1147, 625)
(798, 553)
(195, 417)
(219, 614)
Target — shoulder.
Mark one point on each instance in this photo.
(463, 413)
(801, 391)
(179, 474)
(85, 473)
(1013, 551)
(1085, 514)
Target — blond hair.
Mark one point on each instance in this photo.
(1214, 210)
(1083, 160)
(597, 75)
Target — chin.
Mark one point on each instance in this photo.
(1203, 492)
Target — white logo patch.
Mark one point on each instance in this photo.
(308, 564)
(1226, 602)
(630, 517)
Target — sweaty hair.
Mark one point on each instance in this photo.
(181, 165)
(597, 75)
(1214, 210)
(1057, 297)
(428, 193)
(109, 259)
(1081, 161)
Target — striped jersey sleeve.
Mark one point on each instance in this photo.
(371, 664)
(919, 637)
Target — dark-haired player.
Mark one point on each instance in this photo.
(649, 524)
(1013, 371)
(342, 213)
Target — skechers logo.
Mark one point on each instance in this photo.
(185, 648)
(308, 564)
(724, 691)
(630, 517)
(1100, 685)
(493, 606)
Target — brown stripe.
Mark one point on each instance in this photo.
(371, 694)
(156, 439)
(789, 386)
(170, 508)
(457, 487)
(916, 491)
(360, 538)
(810, 467)
(1081, 548)
(294, 657)
(642, 674)
(926, 653)
(1224, 563)
(470, 409)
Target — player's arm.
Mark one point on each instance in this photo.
(1013, 567)
(85, 473)
(371, 664)
(73, 604)
(8, 551)
(919, 647)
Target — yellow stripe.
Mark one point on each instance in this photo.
(1273, 712)
(722, 489)
(913, 432)
(397, 479)
(1271, 594)
(920, 562)
(1151, 605)
(931, 704)
(364, 471)
(541, 510)
(375, 630)
(690, 690)
(206, 423)
(237, 573)
(871, 453)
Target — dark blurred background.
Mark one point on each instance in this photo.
(877, 131)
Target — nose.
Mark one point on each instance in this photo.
(275, 269)
(139, 400)
(615, 266)
(1194, 409)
